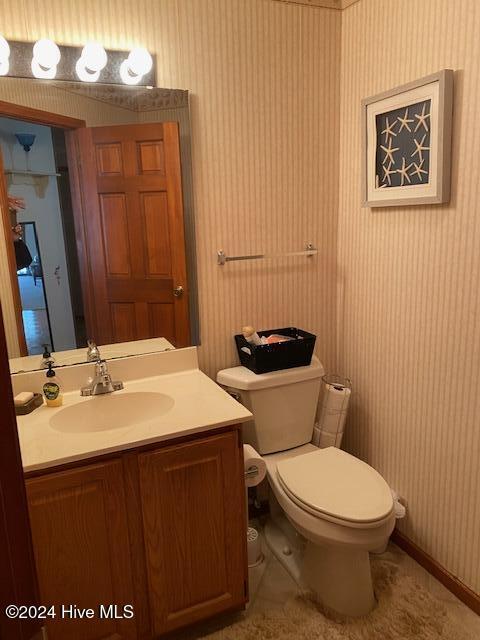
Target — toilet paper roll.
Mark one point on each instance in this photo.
(327, 440)
(334, 409)
(254, 466)
(331, 422)
(336, 398)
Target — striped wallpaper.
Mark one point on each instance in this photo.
(392, 294)
(264, 79)
(408, 303)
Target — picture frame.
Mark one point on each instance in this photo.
(406, 143)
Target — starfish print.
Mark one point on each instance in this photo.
(389, 152)
(420, 148)
(418, 170)
(387, 173)
(388, 131)
(404, 173)
(404, 121)
(422, 118)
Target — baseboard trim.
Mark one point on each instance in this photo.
(453, 584)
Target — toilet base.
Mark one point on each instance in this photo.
(288, 547)
(340, 579)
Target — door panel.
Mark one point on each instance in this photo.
(154, 208)
(151, 158)
(131, 212)
(194, 527)
(114, 221)
(162, 319)
(109, 159)
(123, 320)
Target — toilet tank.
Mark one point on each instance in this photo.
(283, 403)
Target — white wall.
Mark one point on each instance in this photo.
(44, 210)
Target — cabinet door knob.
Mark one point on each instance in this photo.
(178, 291)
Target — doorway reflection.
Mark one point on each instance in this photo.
(36, 321)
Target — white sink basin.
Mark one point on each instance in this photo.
(112, 411)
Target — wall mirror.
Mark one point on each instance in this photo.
(98, 221)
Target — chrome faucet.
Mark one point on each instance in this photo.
(102, 382)
(93, 352)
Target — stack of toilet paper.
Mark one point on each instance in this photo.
(329, 430)
(255, 470)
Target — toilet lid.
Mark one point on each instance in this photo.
(332, 482)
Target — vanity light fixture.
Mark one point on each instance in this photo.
(88, 63)
(138, 63)
(93, 59)
(4, 56)
(46, 56)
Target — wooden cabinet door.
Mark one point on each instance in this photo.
(80, 540)
(195, 530)
(17, 568)
(127, 200)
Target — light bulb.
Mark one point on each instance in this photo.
(94, 56)
(46, 56)
(46, 53)
(139, 61)
(84, 74)
(4, 56)
(126, 75)
(4, 49)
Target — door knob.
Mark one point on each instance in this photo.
(178, 291)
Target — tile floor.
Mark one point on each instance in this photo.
(271, 586)
(34, 313)
(31, 293)
(37, 332)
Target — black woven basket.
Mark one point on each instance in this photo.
(280, 355)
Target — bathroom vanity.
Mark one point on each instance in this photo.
(150, 512)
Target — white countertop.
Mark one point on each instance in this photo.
(197, 404)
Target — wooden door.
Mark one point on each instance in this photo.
(17, 569)
(12, 263)
(195, 530)
(80, 540)
(127, 200)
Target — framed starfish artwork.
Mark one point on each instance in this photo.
(407, 143)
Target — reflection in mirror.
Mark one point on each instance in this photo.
(100, 220)
(35, 313)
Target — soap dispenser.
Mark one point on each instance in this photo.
(52, 389)
(46, 357)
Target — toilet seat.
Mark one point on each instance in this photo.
(332, 484)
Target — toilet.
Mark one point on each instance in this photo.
(329, 509)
